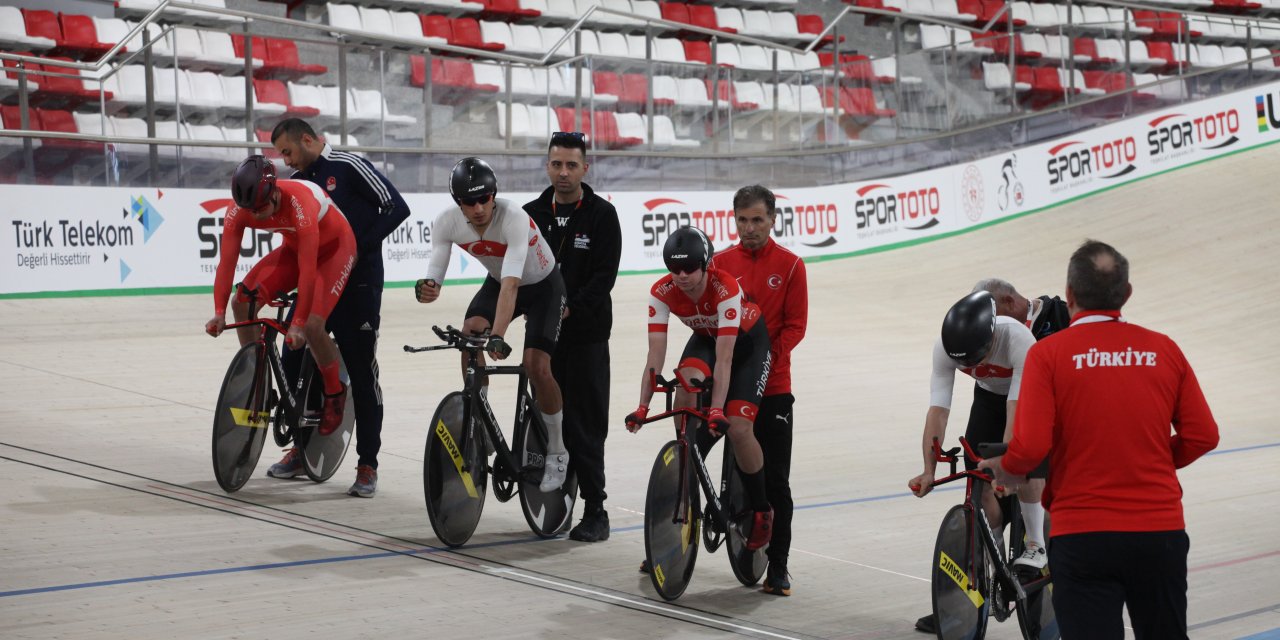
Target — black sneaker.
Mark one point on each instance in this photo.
(927, 624)
(594, 527)
(777, 582)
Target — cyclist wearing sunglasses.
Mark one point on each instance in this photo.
(523, 280)
(729, 343)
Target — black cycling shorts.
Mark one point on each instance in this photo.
(751, 362)
(541, 303)
(986, 424)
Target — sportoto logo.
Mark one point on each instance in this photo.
(811, 224)
(880, 205)
(1073, 162)
(1177, 134)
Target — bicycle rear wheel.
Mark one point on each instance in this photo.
(1036, 617)
(455, 498)
(322, 455)
(240, 419)
(960, 600)
(748, 566)
(670, 547)
(548, 514)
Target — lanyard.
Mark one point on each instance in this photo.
(554, 206)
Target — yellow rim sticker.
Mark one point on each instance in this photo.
(687, 531)
(248, 418)
(668, 455)
(455, 454)
(958, 576)
(657, 573)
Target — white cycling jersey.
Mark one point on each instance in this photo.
(511, 246)
(1001, 373)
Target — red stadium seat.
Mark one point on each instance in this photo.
(703, 15)
(282, 54)
(862, 101)
(80, 37)
(675, 12)
(275, 92)
(466, 33)
(1088, 47)
(57, 91)
(507, 10)
(812, 25)
(437, 27)
(43, 24)
(259, 53)
(697, 51)
(607, 82)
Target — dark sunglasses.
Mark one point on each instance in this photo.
(569, 134)
(690, 268)
(471, 202)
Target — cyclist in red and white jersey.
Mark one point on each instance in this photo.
(317, 256)
(729, 343)
(523, 280)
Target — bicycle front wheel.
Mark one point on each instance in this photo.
(748, 566)
(548, 514)
(960, 598)
(240, 419)
(322, 455)
(671, 546)
(454, 474)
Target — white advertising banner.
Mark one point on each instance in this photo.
(99, 240)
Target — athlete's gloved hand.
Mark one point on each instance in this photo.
(497, 348)
(635, 419)
(717, 421)
(426, 290)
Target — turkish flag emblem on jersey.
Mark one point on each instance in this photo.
(730, 314)
(481, 248)
(331, 184)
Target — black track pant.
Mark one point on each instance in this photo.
(582, 371)
(773, 431)
(1096, 574)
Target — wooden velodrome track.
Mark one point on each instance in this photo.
(112, 526)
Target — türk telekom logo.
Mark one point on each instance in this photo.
(1073, 162)
(1177, 134)
(814, 225)
(880, 206)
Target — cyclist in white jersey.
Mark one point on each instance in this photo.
(987, 341)
(523, 280)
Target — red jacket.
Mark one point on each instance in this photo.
(1099, 398)
(773, 278)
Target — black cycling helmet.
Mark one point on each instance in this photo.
(253, 183)
(687, 248)
(472, 180)
(969, 328)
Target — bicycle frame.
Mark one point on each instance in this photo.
(270, 352)
(980, 526)
(506, 465)
(697, 388)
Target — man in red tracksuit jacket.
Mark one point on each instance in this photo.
(773, 278)
(1099, 399)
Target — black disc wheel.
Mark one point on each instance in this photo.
(960, 598)
(671, 522)
(548, 514)
(322, 455)
(454, 473)
(748, 566)
(241, 418)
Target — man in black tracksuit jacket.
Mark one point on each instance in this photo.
(582, 229)
(374, 208)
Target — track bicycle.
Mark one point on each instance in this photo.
(673, 517)
(464, 434)
(972, 578)
(251, 399)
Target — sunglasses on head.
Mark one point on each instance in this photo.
(471, 202)
(578, 135)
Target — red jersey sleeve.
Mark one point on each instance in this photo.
(228, 255)
(795, 311)
(1035, 417)
(1195, 432)
(306, 212)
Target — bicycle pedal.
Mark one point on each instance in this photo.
(309, 422)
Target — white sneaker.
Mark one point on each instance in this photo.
(554, 471)
(1032, 558)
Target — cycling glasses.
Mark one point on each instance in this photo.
(471, 202)
(677, 268)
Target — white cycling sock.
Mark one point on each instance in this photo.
(1033, 519)
(555, 432)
